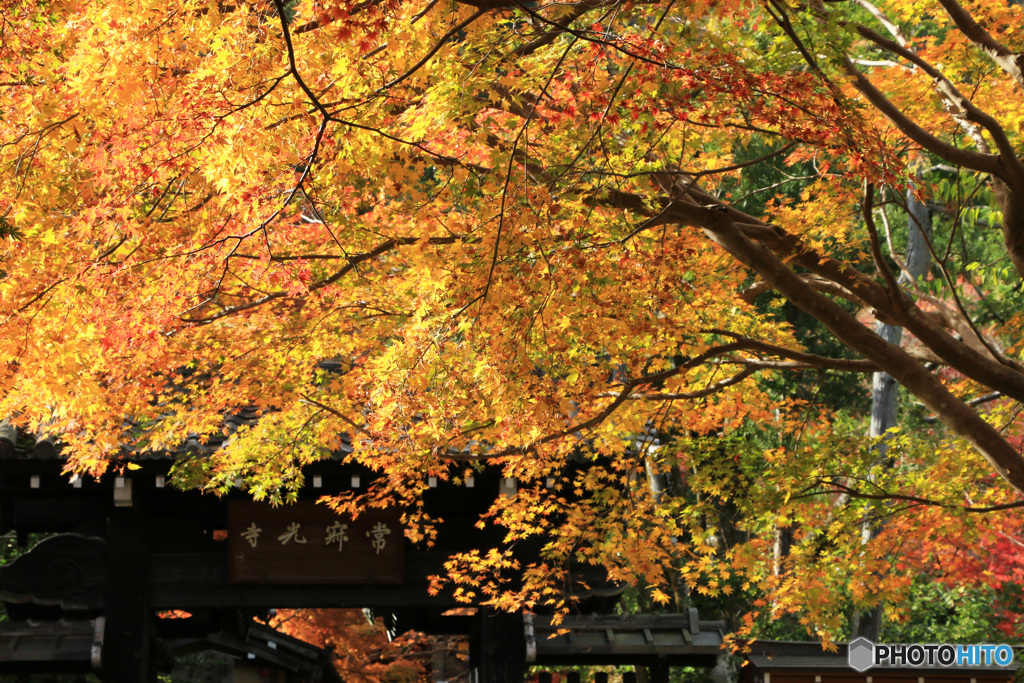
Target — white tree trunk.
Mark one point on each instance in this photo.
(884, 389)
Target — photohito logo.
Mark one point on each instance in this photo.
(863, 654)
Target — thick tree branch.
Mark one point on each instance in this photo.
(899, 310)
(977, 161)
(895, 310)
(1011, 62)
(1007, 169)
(559, 28)
(819, 283)
(958, 103)
(890, 358)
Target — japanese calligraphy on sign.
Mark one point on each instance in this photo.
(378, 532)
(291, 534)
(309, 543)
(336, 534)
(252, 534)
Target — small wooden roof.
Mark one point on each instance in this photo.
(773, 661)
(672, 639)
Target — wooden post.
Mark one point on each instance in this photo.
(127, 640)
(659, 673)
(499, 650)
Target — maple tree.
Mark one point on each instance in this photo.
(521, 234)
(361, 648)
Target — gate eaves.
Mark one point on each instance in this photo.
(672, 639)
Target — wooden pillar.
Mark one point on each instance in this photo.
(128, 636)
(659, 673)
(498, 650)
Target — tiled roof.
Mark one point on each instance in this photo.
(19, 443)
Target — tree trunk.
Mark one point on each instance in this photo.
(884, 389)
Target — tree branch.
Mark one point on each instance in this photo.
(1011, 62)
(1003, 457)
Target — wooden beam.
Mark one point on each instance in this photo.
(200, 579)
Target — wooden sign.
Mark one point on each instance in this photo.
(309, 543)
